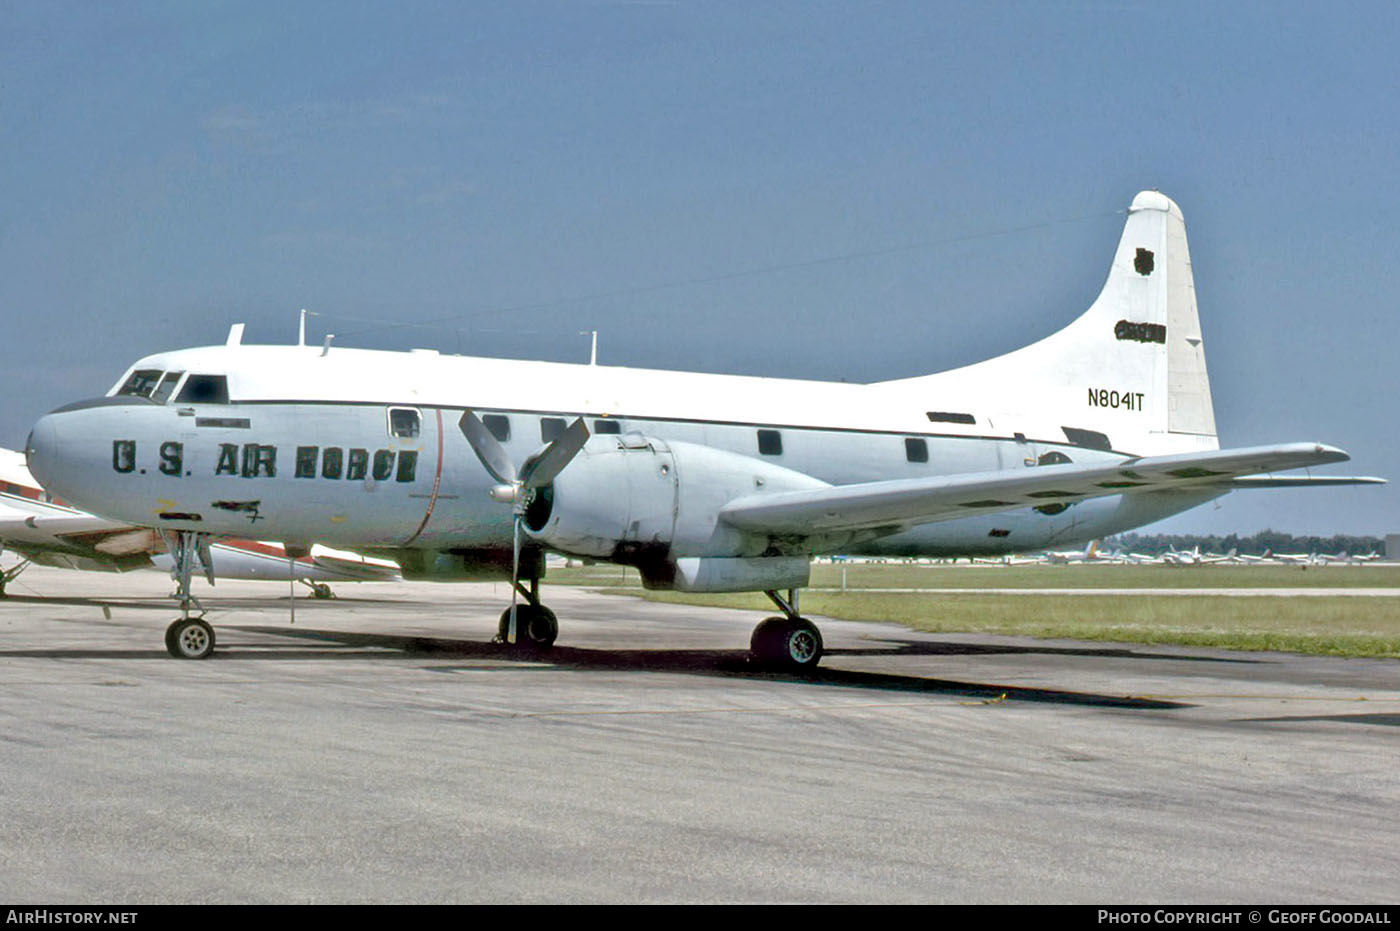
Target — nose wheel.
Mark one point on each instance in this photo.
(189, 638)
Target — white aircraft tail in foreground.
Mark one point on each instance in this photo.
(467, 468)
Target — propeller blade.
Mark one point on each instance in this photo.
(514, 576)
(557, 455)
(487, 448)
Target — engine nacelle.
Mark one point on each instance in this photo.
(641, 501)
(729, 574)
(476, 565)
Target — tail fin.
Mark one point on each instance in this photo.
(1132, 368)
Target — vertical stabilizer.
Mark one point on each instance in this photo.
(1131, 368)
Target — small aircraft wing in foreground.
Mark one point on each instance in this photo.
(48, 531)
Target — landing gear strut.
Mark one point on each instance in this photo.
(189, 637)
(319, 590)
(8, 575)
(789, 642)
(534, 625)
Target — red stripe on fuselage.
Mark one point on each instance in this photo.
(437, 483)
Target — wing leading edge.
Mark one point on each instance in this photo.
(904, 503)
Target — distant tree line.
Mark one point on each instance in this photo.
(1272, 541)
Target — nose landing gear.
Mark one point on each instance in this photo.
(189, 637)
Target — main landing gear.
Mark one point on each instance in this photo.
(789, 642)
(189, 637)
(530, 625)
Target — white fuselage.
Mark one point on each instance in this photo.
(307, 451)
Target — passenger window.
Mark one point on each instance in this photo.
(204, 389)
(166, 387)
(551, 428)
(915, 449)
(404, 422)
(140, 384)
(770, 442)
(498, 424)
(607, 426)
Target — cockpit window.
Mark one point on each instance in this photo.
(204, 389)
(141, 383)
(166, 387)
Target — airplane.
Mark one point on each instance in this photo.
(468, 468)
(1010, 559)
(1194, 557)
(1292, 559)
(47, 531)
(1089, 554)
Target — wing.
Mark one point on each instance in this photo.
(891, 506)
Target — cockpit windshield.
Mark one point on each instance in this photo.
(166, 387)
(141, 383)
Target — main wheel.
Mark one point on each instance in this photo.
(535, 626)
(787, 643)
(189, 638)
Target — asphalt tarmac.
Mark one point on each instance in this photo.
(381, 750)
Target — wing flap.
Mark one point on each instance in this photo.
(907, 502)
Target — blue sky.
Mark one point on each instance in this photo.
(817, 190)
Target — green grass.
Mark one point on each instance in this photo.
(898, 575)
(1317, 624)
(875, 575)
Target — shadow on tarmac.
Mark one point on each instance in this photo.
(720, 663)
(1381, 719)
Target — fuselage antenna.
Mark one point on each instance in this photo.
(301, 327)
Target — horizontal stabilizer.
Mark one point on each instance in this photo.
(891, 506)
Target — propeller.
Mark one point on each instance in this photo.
(518, 488)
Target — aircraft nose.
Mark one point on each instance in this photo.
(85, 453)
(40, 448)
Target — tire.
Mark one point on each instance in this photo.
(536, 627)
(189, 638)
(794, 645)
